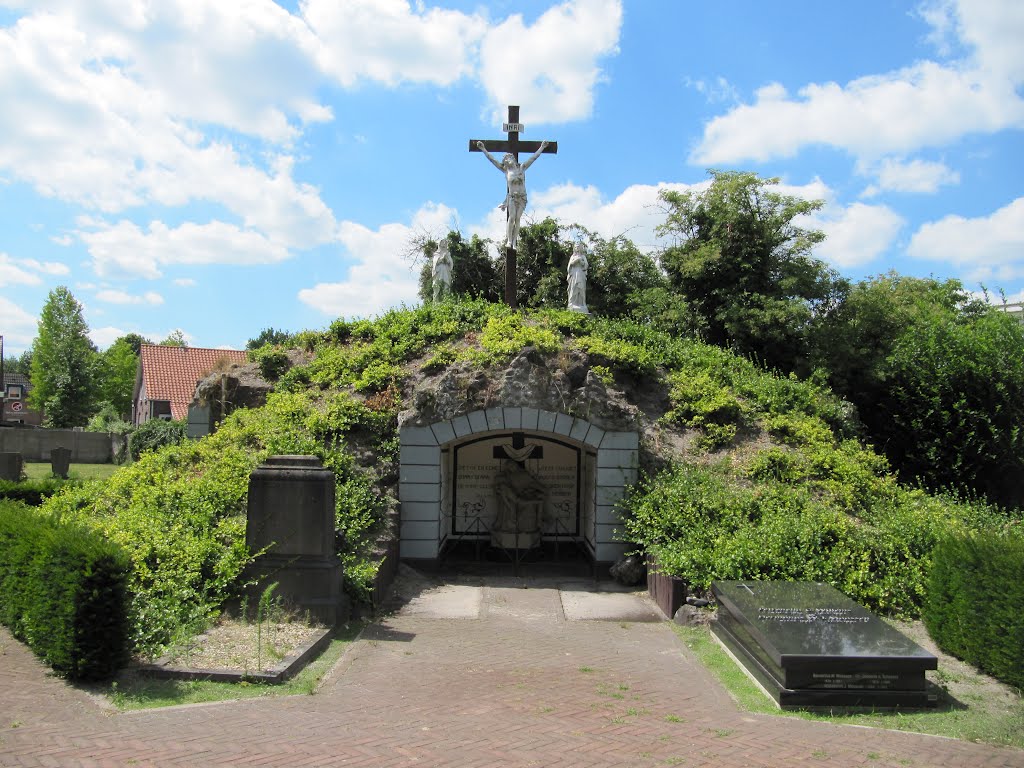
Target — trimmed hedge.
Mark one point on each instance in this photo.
(32, 492)
(62, 592)
(974, 604)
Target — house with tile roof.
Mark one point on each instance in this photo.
(167, 376)
(16, 411)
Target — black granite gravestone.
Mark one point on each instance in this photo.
(809, 645)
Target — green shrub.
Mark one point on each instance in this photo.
(973, 609)
(703, 524)
(62, 591)
(32, 492)
(179, 512)
(154, 434)
(272, 360)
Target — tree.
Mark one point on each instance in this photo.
(474, 274)
(175, 338)
(744, 267)
(270, 336)
(116, 371)
(938, 379)
(19, 363)
(63, 363)
(135, 341)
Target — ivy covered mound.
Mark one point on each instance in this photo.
(744, 474)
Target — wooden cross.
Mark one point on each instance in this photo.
(512, 144)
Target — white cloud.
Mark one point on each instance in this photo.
(987, 248)
(380, 277)
(856, 235)
(390, 42)
(925, 104)
(918, 176)
(112, 296)
(715, 90)
(634, 213)
(23, 271)
(104, 337)
(12, 274)
(19, 327)
(114, 104)
(126, 250)
(551, 67)
(184, 282)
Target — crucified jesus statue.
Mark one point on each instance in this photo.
(515, 179)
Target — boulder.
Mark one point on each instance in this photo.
(629, 571)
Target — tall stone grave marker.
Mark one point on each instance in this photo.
(291, 517)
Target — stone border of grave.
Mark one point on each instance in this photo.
(286, 669)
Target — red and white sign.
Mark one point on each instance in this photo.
(16, 405)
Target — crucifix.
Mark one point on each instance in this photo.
(519, 451)
(515, 181)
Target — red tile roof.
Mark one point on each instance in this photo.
(171, 373)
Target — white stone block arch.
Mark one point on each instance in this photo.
(422, 473)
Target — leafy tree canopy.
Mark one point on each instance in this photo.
(270, 336)
(19, 363)
(116, 370)
(63, 362)
(135, 341)
(744, 267)
(938, 378)
(175, 338)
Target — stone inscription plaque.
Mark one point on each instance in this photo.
(476, 465)
(810, 645)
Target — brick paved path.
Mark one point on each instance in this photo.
(519, 685)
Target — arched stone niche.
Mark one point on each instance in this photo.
(437, 462)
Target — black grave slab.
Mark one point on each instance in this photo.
(809, 645)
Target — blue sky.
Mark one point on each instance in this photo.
(221, 167)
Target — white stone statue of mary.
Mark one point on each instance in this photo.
(577, 276)
(441, 272)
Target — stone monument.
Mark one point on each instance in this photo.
(809, 645)
(10, 466)
(290, 519)
(441, 272)
(520, 501)
(577, 279)
(60, 462)
(515, 185)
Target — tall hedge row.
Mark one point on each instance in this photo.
(975, 603)
(62, 591)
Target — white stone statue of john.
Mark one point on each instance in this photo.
(577, 278)
(515, 180)
(441, 272)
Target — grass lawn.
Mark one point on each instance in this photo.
(133, 691)
(41, 470)
(972, 706)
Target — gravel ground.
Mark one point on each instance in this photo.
(233, 644)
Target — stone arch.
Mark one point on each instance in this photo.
(425, 473)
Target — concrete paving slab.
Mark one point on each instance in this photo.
(523, 603)
(452, 601)
(579, 605)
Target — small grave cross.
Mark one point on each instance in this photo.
(519, 451)
(513, 146)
